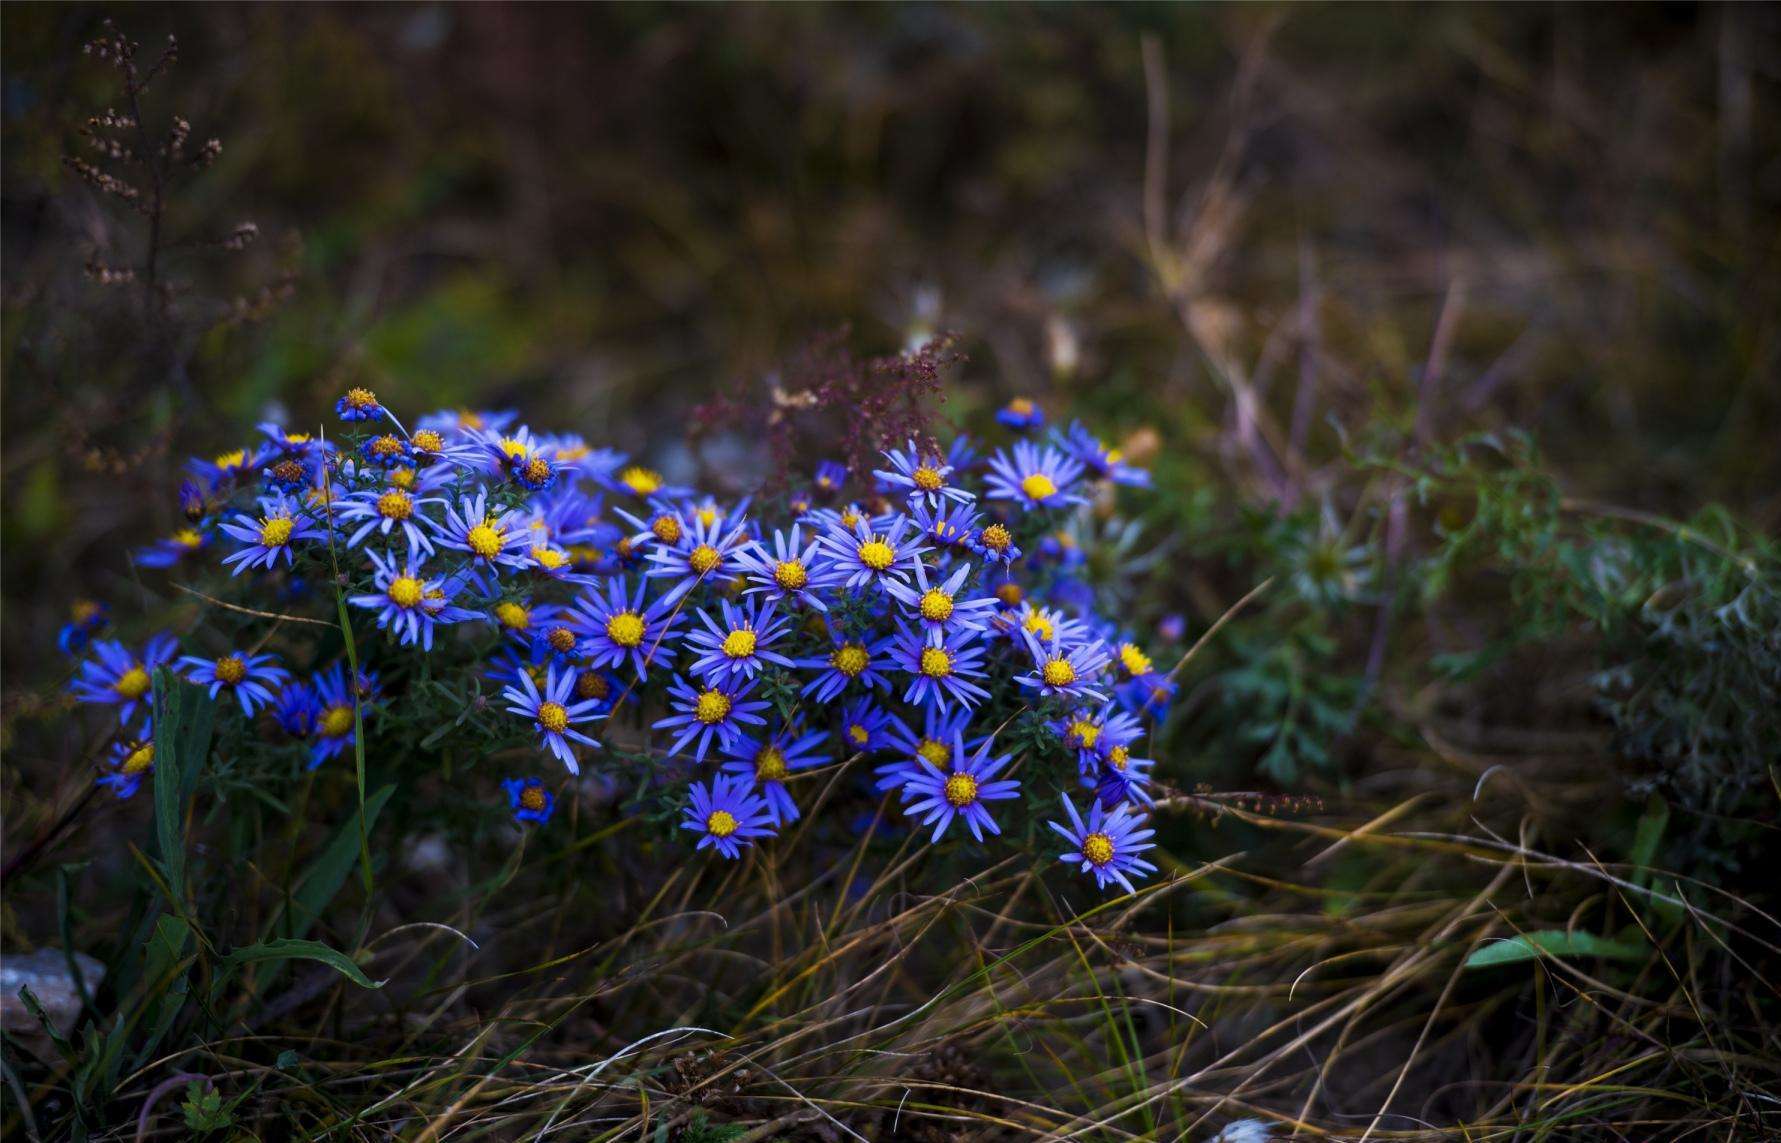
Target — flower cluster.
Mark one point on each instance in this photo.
(909, 616)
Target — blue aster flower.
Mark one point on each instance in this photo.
(995, 542)
(711, 710)
(851, 659)
(830, 476)
(705, 552)
(409, 603)
(252, 678)
(385, 510)
(1121, 777)
(938, 608)
(615, 629)
(182, 545)
(1107, 845)
(296, 709)
(931, 749)
(739, 644)
(727, 815)
(947, 526)
(225, 467)
(867, 557)
(387, 450)
(1021, 413)
(555, 712)
(118, 677)
(940, 672)
(335, 730)
(358, 404)
(865, 727)
(529, 800)
(924, 479)
(789, 570)
(290, 472)
(937, 797)
(270, 538)
(132, 761)
(85, 619)
(1033, 477)
(492, 540)
(520, 456)
(1147, 696)
(767, 763)
(1102, 462)
(1063, 668)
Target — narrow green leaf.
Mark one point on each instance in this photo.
(302, 950)
(183, 718)
(1553, 942)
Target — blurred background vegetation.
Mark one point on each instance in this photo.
(1319, 265)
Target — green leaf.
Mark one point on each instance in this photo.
(1553, 942)
(183, 718)
(302, 950)
(1650, 831)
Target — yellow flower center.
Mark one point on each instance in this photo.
(511, 448)
(561, 640)
(427, 440)
(553, 716)
(1058, 673)
(486, 541)
(1083, 733)
(934, 752)
(1009, 593)
(358, 398)
(707, 515)
(132, 684)
(532, 798)
(877, 555)
(188, 538)
(703, 558)
(335, 721)
(406, 591)
(859, 734)
(592, 685)
(140, 759)
(739, 644)
(625, 629)
(231, 670)
(1038, 486)
(513, 615)
(927, 479)
(275, 531)
(936, 663)
(850, 659)
(402, 477)
(537, 470)
(713, 707)
(961, 790)
(85, 610)
(1135, 662)
(936, 606)
(232, 459)
(790, 574)
(1118, 757)
(1098, 848)
(996, 538)
(642, 481)
(721, 823)
(549, 558)
(769, 765)
(288, 471)
(666, 528)
(395, 505)
(1021, 407)
(386, 445)
(1039, 624)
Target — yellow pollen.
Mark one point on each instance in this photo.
(359, 398)
(402, 477)
(1135, 662)
(934, 752)
(386, 445)
(713, 707)
(769, 765)
(140, 759)
(406, 591)
(850, 659)
(395, 505)
(1083, 733)
(275, 531)
(721, 823)
(232, 459)
(335, 721)
(288, 471)
(132, 684)
(935, 662)
(1118, 757)
(532, 798)
(859, 734)
(1021, 407)
(642, 481)
(666, 529)
(85, 610)
(592, 685)
(623, 548)
(1039, 624)
(877, 555)
(549, 558)
(703, 558)
(996, 538)
(961, 790)
(1038, 486)
(936, 606)
(707, 515)
(427, 440)
(485, 541)
(561, 640)
(537, 470)
(469, 419)
(513, 616)
(553, 716)
(1114, 456)
(511, 448)
(1098, 848)
(625, 629)
(1058, 673)
(231, 670)
(790, 574)
(1009, 593)
(849, 517)
(927, 479)
(188, 538)
(739, 644)
(573, 452)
